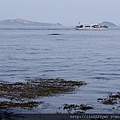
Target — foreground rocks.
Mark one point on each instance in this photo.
(25, 94)
(22, 95)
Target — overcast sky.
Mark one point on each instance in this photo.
(66, 12)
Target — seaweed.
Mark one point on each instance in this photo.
(85, 107)
(75, 107)
(20, 93)
(25, 105)
(111, 99)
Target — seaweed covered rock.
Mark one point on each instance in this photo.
(111, 99)
(21, 92)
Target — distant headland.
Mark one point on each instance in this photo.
(109, 24)
(22, 22)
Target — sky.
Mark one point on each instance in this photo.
(66, 12)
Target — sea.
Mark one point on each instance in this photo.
(92, 56)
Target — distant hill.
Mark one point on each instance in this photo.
(109, 24)
(21, 22)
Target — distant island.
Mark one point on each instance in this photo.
(109, 24)
(21, 22)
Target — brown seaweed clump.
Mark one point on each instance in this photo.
(116, 96)
(111, 99)
(75, 107)
(20, 93)
(10, 104)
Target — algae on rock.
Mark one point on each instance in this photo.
(21, 92)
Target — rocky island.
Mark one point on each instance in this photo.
(21, 22)
(109, 24)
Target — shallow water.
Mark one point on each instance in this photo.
(63, 52)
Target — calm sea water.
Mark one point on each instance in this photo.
(90, 56)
